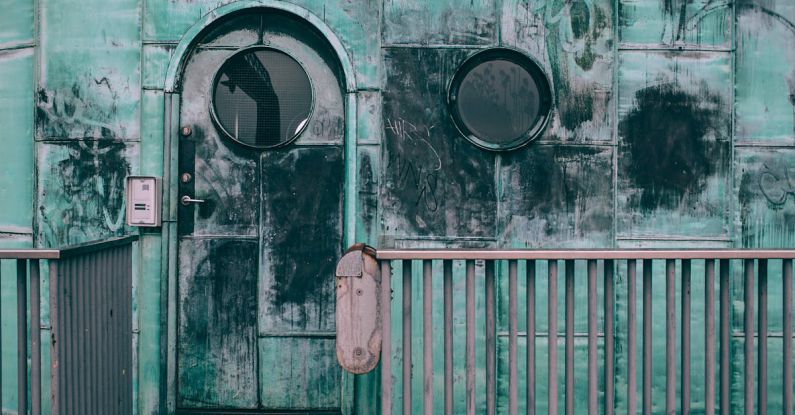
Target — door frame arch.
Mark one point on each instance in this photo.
(171, 131)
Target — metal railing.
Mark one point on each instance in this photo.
(90, 306)
(754, 266)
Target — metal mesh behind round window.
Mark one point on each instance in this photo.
(262, 98)
(500, 99)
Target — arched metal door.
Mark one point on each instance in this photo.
(261, 174)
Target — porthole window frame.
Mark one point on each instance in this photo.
(536, 72)
(216, 78)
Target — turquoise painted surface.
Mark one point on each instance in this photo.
(357, 24)
(440, 22)
(674, 133)
(705, 23)
(765, 75)
(90, 80)
(16, 23)
(574, 43)
(80, 190)
(16, 134)
(100, 74)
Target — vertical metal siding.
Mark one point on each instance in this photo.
(91, 303)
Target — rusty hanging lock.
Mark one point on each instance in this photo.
(358, 282)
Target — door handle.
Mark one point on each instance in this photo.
(186, 200)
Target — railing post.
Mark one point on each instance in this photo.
(470, 337)
(35, 337)
(787, 288)
(632, 349)
(647, 346)
(491, 342)
(609, 339)
(22, 336)
(748, 373)
(725, 403)
(386, 338)
(552, 336)
(407, 337)
(709, 354)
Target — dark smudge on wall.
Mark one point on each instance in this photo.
(301, 233)
(672, 137)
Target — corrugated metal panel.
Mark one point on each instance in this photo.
(91, 303)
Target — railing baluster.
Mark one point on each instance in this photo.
(448, 337)
(725, 403)
(609, 339)
(513, 405)
(531, 336)
(491, 342)
(762, 343)
(647, 346)
(552, 337)
(470, 337)
(787, 288)
(709, 347)
(632, 348)
(670, 336)
(569, 337)
(35, 337)
(427, 336)
(22, 336)
(748, 373)
(407, 337)
(686, 337)
(592, 379)
(386, 338)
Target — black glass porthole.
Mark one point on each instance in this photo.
(500, 99)
(262, 98)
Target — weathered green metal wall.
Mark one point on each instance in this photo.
(673, 126)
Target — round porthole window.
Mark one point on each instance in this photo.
(500, 99)
(262, 98)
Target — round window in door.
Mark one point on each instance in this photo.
(262, 98)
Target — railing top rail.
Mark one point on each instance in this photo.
(584, 254)
(68, 251)
(30, 253)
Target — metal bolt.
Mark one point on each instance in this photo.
(358, 352)
(186, 131)
(359, 292)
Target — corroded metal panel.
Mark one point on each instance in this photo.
(80, 190)
(704, 23)
(674, 153)
(574, 42)
(435, 182)
(301, 238)
(217, 343)
(765, 74)
(766, 197)
(556, 196)
(16, 23)
(90, 78)
(440, 22)
(307, 378)
(16, 159)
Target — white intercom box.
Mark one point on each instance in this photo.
(144, 201)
